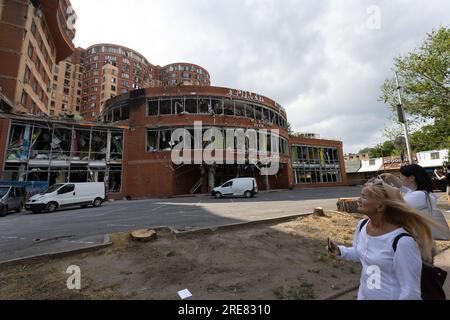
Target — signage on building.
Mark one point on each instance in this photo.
(239, 94)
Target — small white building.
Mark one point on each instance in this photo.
(432, 159)
(371, 165)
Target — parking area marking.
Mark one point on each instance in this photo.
(164, 205)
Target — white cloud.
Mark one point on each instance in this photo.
(317, 58)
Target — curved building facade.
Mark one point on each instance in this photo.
(111, 70)
(154, 114)
(184, 74)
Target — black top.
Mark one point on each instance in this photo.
(448, 179)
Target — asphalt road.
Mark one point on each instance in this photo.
(26, 234)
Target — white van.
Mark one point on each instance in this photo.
(68, 195)
(239, 187)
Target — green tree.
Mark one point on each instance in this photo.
(384, 149)
(425, 80)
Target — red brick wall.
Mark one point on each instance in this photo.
(12, 28)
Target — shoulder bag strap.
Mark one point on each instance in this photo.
(397, 239)
(363, 224)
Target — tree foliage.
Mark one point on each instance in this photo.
(425, 83)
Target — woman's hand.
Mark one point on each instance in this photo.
(333, 249)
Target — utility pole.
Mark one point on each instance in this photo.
(402, 118)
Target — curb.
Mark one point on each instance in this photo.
(231, 226)
(176, 233)
(106, 243)
(340, 293)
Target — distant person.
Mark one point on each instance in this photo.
(388, 274)
(445, 177)
(417, 187)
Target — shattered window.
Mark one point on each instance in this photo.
(80, 145)
(125, 113)
(99, 145)
(116, 115)
(228, 106)
(116, 148)
(61, 144)
(271, 117)
(178, 105)
(217, 106)
(259, 113)
(165, 106)
(250, 111)
(191, 105)
(152, 141)
(96, 174)
(266, 115)
(240, 108)
(165, 138)
(204, 106)
(153, 107)
(41, 141)
(19, 143)
(114, 178)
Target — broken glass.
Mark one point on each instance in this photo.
(19, 143)
(41, 144)
(99, 145)
(116, 147)
(80, 145)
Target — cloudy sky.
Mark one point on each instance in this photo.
(324, 61)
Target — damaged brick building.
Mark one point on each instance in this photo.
(130, 149)
(133, 107)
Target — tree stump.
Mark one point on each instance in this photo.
(349, 205)
(144, 235)
(319, 212)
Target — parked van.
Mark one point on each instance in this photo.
(11, 198)
(68, 195)
(239, 187)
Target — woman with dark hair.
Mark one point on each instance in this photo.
(417, 188)
(445, 177)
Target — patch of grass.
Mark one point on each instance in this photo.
(352, 270)
(322, 258)
(303, 292)
(172, 253)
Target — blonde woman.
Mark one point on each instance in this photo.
(388, 274)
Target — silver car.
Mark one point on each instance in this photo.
(11, 198)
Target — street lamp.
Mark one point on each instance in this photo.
(402, 118)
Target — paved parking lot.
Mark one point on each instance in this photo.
(26, 234)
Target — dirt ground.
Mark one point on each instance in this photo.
(267, 261)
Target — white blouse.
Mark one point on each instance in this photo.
(386, 275)
(418, 200)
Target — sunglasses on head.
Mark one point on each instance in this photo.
(378, 181)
